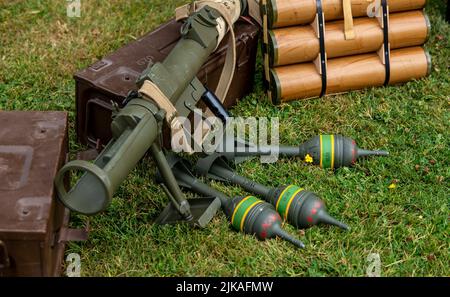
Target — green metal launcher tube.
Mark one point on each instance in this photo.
(134, 131)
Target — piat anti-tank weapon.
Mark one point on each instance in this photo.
(167, 90)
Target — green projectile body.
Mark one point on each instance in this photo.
(299, 207)
(248, 214)
(327, 151)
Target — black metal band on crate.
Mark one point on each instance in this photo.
(323, 64)
(265, 46)
(387, 55)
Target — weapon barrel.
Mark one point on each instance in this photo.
(133, 133)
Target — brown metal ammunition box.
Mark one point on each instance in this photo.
(33, 224)
(111, 78)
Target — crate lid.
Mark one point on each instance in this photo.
(33, 147)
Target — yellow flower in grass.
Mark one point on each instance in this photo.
(308, 158)
(392, 186)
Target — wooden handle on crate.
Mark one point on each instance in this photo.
(348, 20)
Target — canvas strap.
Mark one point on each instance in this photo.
(150, 91)
(227, 74)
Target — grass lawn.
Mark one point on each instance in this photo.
(41, 48)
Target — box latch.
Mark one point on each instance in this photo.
(68, 234)
(4, 257)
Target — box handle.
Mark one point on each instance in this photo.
(4, 257)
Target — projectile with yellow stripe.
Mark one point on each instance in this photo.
(248, 214)
(297, 206)
(333, 151)
(254, 216)
(327, 151)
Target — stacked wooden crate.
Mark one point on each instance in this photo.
(317, 47)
